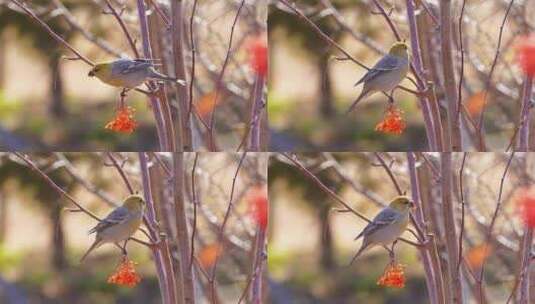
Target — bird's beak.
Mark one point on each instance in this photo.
(412, 205)
(91, 73)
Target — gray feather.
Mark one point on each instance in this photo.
(117, 216)
(127, 66)
(386, 217)
(387, 63)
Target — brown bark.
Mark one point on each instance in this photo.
(58, 238)
(454, 275)
(57, 105)
(449, 77)
(3, 218)
(182, 121)
(183, 240)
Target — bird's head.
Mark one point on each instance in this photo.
(99, 70)
(399, 49)
(401, 203)
(134, 202)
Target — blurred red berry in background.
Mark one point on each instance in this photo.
(526, 53)
(209, 254)
(258, 54)
(258, 205)
(526, 202)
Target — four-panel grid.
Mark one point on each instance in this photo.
(267, 151)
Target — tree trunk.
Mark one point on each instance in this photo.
(183, 240)
(326, 249)
(56, 106)
(3, 43)
(326, 103)
(3, 218)
(454, 276)
(58, 239)
(525, 269)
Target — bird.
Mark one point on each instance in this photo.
(386, 226)
(119, 225)
(386, 74)
(128, 73)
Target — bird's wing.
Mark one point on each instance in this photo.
(130, 66)
(153, 61)
(387, 63)
(117, 216)
(386, 217)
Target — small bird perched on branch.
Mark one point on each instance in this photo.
(128, 73)
(386, 74)
(387, 226)
(120, 224)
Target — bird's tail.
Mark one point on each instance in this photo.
(362, 248)
(95, 244)
(363, 94)
(157, 75)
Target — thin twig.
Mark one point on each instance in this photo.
(52, 33)
(194, 201)
(71, 20)
(121, 172)
(461, 72)
(479, 128)
(193, 55)
(461, 193)
(220, 78)
(492, 222)
(36, 169)
(223, 225)
(389, 172)
(123, 28)
(323, 36)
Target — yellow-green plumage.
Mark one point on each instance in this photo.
(103, 72)
(400, 49)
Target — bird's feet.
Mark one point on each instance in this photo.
(123, 93)
(123, 249)
(391, 252)
(122, 98)
(125, 253)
